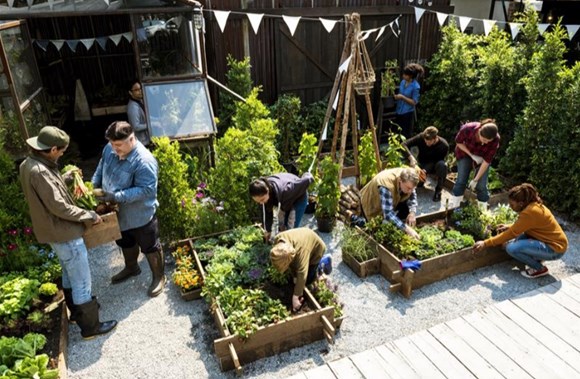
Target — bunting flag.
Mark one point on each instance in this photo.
(328, 24)
(488, 25)
(324, 132)
(88, 42)
(542, 28)
(335, 102)
(441, 17)
(128, 36)
(365, 34)
(116, 38)
(419, 13)
(380, 33)
(29, 3)
(102, 41)
(72, 44)
(42, 43)
(107, 2)
(292, 23)
(344, 65)
(10, 3)
(255, 20)
(515, 29)
(572, 29)
(463, 22)
(57, 43)
(221, 18)
(398, 31)
(50, 4)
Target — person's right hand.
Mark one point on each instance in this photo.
(410, 231)
(479, 245)
(296, 303)
(412, 161)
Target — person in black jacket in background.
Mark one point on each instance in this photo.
(286, 191)
(432, 151)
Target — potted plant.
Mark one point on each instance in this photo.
(328, 195)
(389, 79)
(307, 154)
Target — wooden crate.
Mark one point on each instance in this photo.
(233, 352)
(494, 199)
(362, 269)
(435, 268)
(104, 232)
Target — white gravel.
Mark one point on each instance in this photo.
(165, 337)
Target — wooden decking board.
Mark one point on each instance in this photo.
(398, 364)
(320, 372)
(440, 356)
(299, 375)
(417, 360)
(468, 357)
(371, 365)
(566, 287)
(565, 296)
(574, 279)
(345, 369)
(518, 352)
(565, 346)
(539, 352)
(497, 358)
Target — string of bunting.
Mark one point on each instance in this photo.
(86, 42)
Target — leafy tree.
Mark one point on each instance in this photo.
(290, 123)
(239, 80)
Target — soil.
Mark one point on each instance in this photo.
(284, 294)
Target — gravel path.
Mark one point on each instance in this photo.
(165, 337)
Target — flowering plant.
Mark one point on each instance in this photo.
(19, 250)
(325, 293)
(185, 275)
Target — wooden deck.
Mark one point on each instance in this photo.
(535, 335)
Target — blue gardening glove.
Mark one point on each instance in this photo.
(413, 265)
(108, 197)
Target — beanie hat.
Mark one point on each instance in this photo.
(48, 137)
(282, 255)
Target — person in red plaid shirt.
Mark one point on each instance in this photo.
(476, 145)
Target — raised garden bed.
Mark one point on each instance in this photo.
(432, 269)
(496, 196)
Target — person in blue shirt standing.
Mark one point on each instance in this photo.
(127, 173)
(408, 98)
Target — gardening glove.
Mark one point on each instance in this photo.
(107, 197)
(477, 159)
(291, 219)
(296, 303)
(412, 265)
(472, 185)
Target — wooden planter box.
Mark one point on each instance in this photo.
(494, 199)
(362, 269)
(232, 352)
(106, 231)
(193, 294)
(432, 269)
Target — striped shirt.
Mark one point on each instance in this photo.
(387, 206)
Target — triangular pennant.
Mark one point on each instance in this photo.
(42, 43)
(364, 35)
(57, 43)
(542, 28)
(128, 36)
(221, 18)
(10, 3)
(107, 2)
(255, 20)
(393, 29)
(88, 42)
(463, 22)
(292, 23)
(441, 17)
(50, 4)
(328, 24)
(102, 41)
(324, 132)
(380, 33)
(72, 44)
(344, 65)
(418, 13)
(515, 28)
(488, 25)
(572, 29)
(116, 38)
(29, 3)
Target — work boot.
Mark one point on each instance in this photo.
(455, 201)
(482, 205)
(88, 320)
(72, 308)
(131, 265)
(157, 265)
(437, 195)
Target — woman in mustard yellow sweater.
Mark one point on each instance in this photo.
(535, 237)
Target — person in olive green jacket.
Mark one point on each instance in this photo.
(301, 250)
(535, 237)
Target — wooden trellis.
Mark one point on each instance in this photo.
(357, 78)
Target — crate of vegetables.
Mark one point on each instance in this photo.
(445, 247)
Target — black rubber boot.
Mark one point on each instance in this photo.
(437, 195)
(131, 265)
(88, 320)
(72, 308)
(157, 264)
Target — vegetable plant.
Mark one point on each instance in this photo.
(389, 78)
(367, 158)
(356, 246)
(82, 192)
(325, 293)
(328, 189)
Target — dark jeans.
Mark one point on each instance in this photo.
(406, 121)
(312, 271)
(146, 236)
(439, 169)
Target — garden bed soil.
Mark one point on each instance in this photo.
(495, 198)
(435, 268)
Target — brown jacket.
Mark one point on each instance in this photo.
(370, 199)
(54, 216)
(309, 250)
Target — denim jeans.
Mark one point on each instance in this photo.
(438, 168)
(299, 209)
(531, 251)
(76, 273)
(464, 166)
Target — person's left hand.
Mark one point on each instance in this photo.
(107, 197)
(479, 245)
(296, 302)
(411, 220)
(398, 96)
(472, 185)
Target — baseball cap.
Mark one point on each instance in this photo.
(48, 137)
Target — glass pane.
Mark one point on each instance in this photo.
(21, 61)
(166, 45)
(179, 109)
(34, 117)
(10, 132)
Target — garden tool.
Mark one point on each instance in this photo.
(411, 265)
(88, 320)
(131, 265)
(157, 264)
(311, 165)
